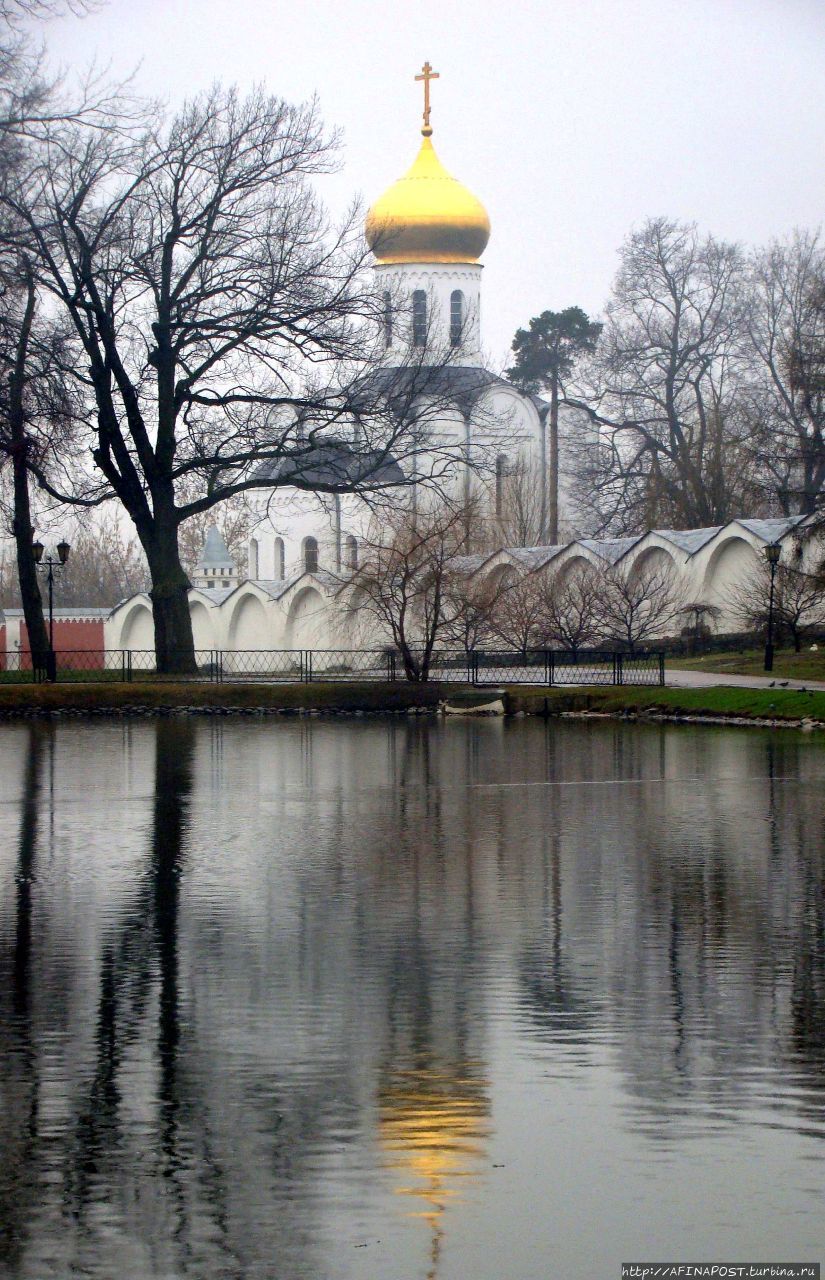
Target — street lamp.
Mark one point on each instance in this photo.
(63, 550)
(772, 553)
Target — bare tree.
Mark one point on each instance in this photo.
(471, 604)
(786, 325)
(406, 575)
(519, 617)
(798, 602)
(662, 386)
(572, 603)
(224, 329)
(638, 606)
(697, 617)
(37, 420)
(106, 564)
(35, 396)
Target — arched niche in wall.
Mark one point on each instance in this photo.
(650, 560)
(249, 625)
(138, 627)
(306, 620)
(731, 562)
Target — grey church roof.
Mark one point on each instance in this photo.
(460, 385)
(215, 550)
(331, 464)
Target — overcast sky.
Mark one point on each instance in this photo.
(572, 120)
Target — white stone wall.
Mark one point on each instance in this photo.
(319, 612)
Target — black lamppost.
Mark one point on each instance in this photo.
(62, 556)
(772, 553)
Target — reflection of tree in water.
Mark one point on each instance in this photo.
(556, 1002)
(20, 1083)
(139, 965)
(149, 1180)
(807, 1039)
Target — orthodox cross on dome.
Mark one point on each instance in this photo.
(427, 74)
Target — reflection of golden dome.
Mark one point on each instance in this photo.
(427, 216)
(434, 1128)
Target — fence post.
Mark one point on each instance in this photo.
(661, 668)
(308, 666)
(391, 666)
(619, 668)
(551, 667)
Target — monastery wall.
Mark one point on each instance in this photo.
(319, 610)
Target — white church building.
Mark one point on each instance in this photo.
(427, 233)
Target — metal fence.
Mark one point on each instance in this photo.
(301, 666)
(563, 666)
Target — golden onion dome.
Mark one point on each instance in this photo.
(427, 216)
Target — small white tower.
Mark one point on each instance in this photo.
(215, 568)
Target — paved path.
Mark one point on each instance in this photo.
(705, 679)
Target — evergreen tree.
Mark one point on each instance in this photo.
(546, 353)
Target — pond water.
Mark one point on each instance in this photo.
(386, 1000)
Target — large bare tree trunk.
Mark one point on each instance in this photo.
(22, 524)
(26, 568)
(174, 641)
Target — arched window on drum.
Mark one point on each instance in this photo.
(310, 555)
(419, 301)
(279, 559)
(387, 318)
(457, 316)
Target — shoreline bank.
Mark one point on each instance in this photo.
(719, 704)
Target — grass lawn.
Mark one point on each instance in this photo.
(787, 665)
(757, 704)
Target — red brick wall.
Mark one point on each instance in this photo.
(70, 634)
